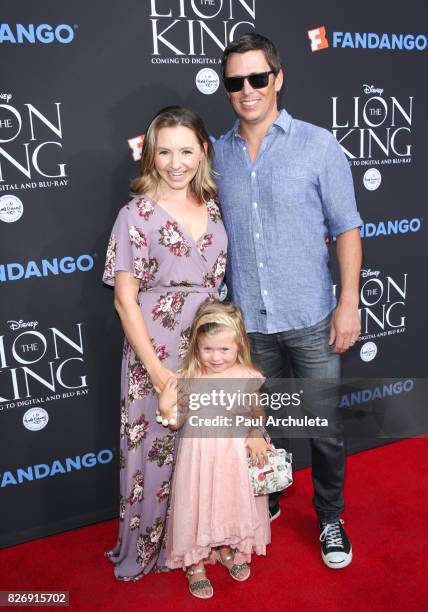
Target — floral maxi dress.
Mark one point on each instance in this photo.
(176, 275)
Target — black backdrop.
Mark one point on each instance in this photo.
(80, 79)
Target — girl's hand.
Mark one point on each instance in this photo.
(168, 399)
(258, 448)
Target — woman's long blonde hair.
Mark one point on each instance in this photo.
(211, 318)
(202, 184)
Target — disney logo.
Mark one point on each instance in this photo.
(5, 96)
(368, 89)
(366, 273)
(14, 325)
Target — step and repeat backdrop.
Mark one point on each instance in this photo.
(80, 81)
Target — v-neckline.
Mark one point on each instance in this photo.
(189, 235)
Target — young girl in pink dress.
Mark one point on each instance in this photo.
(214, 515)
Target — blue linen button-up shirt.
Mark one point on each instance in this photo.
(278, 211)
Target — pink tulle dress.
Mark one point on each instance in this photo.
(212, 503)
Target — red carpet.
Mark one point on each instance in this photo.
(386, 494)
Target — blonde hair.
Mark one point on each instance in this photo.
(202, 184)
(211, 318)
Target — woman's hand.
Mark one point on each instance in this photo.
(160, 376)
(258, 448)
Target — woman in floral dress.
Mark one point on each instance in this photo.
(166, 255)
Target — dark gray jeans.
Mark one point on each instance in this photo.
(310, 357)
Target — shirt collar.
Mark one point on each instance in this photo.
(282, 122)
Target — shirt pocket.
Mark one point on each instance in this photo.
(290, 185)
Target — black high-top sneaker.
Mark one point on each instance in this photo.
(274, 511)
(336, 549)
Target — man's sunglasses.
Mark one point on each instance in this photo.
(257, 81)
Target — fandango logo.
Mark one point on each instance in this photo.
(371, 40)
(388, 228)
(19, 33)
(59, 466)
(368, 395)
(65, 265)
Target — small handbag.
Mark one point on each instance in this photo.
(274, 476)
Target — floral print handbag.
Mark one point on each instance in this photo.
(274, 476)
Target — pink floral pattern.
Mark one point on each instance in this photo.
(160, 350)
(203, 243)
(137, 237)
(162, 450)
(137, 493)
(163, 491)
(219, 267)
(148, 544)
(145, 270)
(135, 522)
(109, 268)
(181, 283)
(145, 208)
(214, 211)
(168, 308)
(184, 342)
(171, 237)
(210, 279)
(170, 268)
(139, 383)
(123, 418)
(136, 432)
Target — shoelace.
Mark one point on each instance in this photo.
(331, 533)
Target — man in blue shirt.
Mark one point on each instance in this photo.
(285, 186)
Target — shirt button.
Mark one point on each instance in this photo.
(255, 204)
(261, 264)
(264, 292)
(253, 173)
(257, 235)
(244, 148)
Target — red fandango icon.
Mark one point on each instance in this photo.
(318, 38)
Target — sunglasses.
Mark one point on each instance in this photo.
(257, 81)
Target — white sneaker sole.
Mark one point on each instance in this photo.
(340, 564)
(275, 516)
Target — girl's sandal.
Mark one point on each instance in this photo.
(235, 570)
(198, 586)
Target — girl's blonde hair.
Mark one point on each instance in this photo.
(202, 184)
(211, 318)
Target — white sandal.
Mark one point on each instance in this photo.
(199, 585)
(235, 569)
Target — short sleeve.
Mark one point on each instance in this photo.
(254, 381)
(128, 249)
(337, 191)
